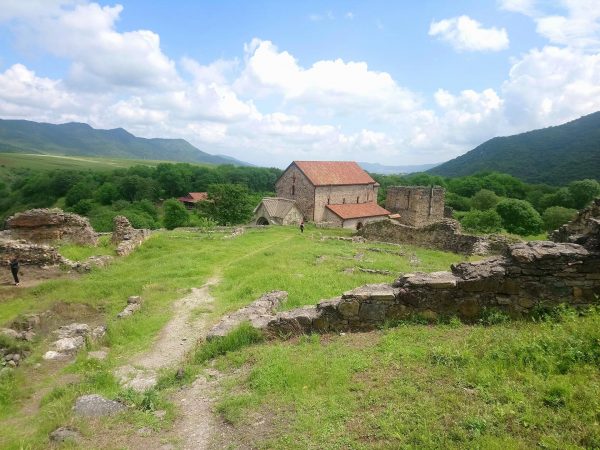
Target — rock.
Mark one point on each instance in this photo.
(96, 406)
(51, 355)
(160, 414)
(69, 344)
(51, 225)
(125, 237)
(11, 363)
(100, 355)
(28, 336)
(73, 330)
(129, 310)
(134, 299)
(9, 332)
(63, 434)
(98, 332)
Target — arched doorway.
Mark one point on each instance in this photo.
(262, 221)
(359, 225)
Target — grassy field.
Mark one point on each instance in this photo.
(515, 385)
(51, 162)
(162, 270)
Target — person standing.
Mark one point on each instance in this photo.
(14, 268)
(302, 227)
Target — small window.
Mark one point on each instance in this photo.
(293, 189)
(328, 200)
(357, 199)
(344, 200)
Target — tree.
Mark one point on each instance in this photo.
(555, 216)
(519, 217)
(562, 197)
(228, 204)
(81, 190)
(484, 199)
(106, 194)
(175, 214)
(465, 186)
(583, 192)
(458, 202)
(488, 221)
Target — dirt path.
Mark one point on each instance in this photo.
(175, 340)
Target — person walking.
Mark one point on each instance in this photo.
(302, 227)
(14, 268)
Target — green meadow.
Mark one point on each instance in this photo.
(498, 384)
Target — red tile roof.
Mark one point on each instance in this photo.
(357, 210)
(194, 197)
(326, 173)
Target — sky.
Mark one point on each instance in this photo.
(268, 82)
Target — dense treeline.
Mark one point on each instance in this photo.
(491, 202)
(136, 192)
(485, 202)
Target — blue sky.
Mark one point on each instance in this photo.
(393, 82)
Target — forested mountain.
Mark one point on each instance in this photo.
(80, 139)
(554, 155)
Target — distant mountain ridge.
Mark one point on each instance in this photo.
(391, 170)
(80, 139)
(554, 155)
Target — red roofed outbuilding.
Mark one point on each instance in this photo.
(192, 198)
(319, 186)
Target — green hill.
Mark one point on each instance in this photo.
(80, 139)
(554, 155)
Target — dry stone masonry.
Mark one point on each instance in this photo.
(30, 254)
(51, 225)
(127, 238)
(445, 234)
(530, 276)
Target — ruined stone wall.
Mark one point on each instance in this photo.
(127, 238)
(51, 225)
(584, 229)
(530, 277)
(534, 276)
(443, 235)
(338, 195)
(418, 206)
(294, 185)
(29, 253)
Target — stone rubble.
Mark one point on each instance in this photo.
(134, 304)
(258, 313)
(71, 338)
(94, 405)
(65, 434)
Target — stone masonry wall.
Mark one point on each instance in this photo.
(127, 238)
(303, 190)
(443, 235)
(29, 253)
(51, 225)
(338, 195)
(529, 277)
(418, 206)
(584, 229)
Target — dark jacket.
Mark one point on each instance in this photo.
(14, 264)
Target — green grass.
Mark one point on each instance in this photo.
(516, 385)
(51, 162)
(76, 252)
(163, 270)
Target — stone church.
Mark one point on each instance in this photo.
(340, 193)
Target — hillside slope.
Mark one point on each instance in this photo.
(554, 155)
(80, 139)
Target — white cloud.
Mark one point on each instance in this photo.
(551, 86)
(102, 57)
(348, 87)
(578, 26)
(466, 34)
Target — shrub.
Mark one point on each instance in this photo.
(519, 217)
(175, 214)
(555, 216)
(458, 202)
(484, 199)
(482, 221)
